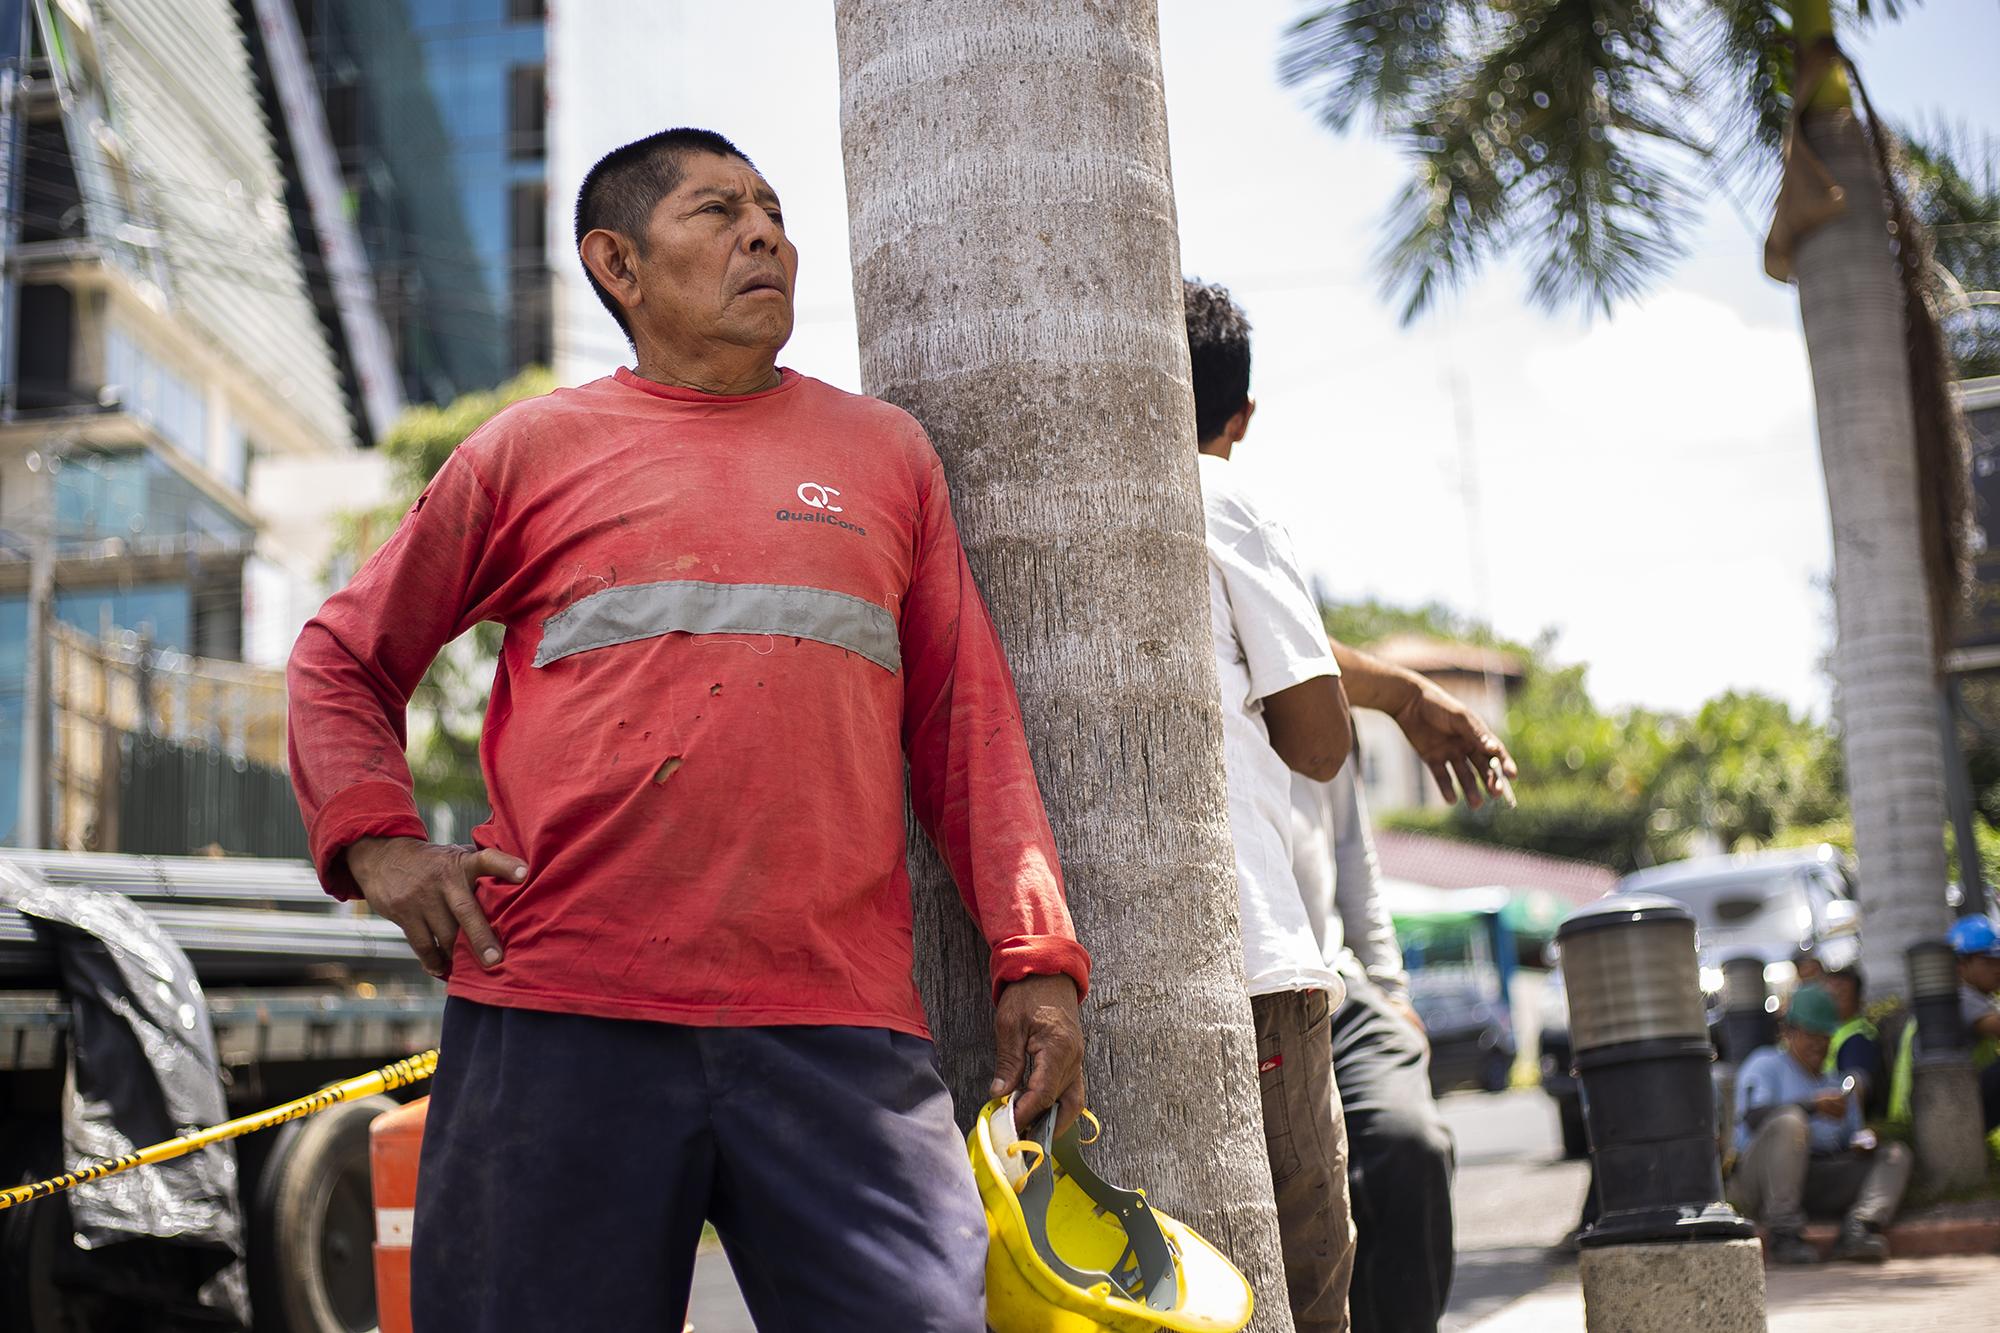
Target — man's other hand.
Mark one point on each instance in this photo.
(427, 890)
(1036, 1029)
(1454, 742)
(1400, 1003)
(1830, 1103)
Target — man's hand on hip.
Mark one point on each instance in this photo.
(1036, 1029)
(427, 890)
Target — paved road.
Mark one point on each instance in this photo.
(715, 1306)
(1949, 1295)
(1514, 1199)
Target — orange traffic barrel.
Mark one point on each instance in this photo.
(394, 1142)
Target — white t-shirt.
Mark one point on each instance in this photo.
(1333, 860)
(1268, 637)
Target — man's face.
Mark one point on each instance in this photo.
(1808, 1048)
(1846, 995)
(1982, 974)
(717, 267)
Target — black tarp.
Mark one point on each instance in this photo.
(142, 1068)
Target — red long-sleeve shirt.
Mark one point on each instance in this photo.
(729, 621)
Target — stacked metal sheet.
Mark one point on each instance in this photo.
(240, 921)
(221, 881)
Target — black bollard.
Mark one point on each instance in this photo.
(1933, 971)
(1748, 1020)
(1640, 1041)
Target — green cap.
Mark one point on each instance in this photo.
(1814, 1011)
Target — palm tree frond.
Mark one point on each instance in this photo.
(1876, 11)
(1558, 138)
(1740, 86)
(1951, 177)
(1379, 54)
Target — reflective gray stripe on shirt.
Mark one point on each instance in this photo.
(648, 610)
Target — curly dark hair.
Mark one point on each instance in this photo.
(621, 191)
(1219, 350)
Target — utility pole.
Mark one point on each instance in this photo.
(33, 828)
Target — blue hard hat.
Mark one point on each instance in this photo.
(1974, 936)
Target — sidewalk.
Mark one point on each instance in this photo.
(1909, 1295)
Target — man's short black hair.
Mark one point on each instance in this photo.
(1219, 350)
(620, 193)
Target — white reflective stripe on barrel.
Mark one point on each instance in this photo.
(393, 1227)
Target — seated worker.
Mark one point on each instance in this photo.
(1856, 1045)
(1800, 1145)
(1977, 944)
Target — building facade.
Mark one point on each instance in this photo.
(436, 114)
(162, 358)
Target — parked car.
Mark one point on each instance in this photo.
(1768, 905)
(1471, 1036)
(1558, 1080)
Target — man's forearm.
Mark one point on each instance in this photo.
(1374, 683)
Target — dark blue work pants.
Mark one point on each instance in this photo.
(569, 1162)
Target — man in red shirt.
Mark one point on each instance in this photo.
(679, 957)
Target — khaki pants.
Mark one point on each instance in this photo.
(1306, 1136)
(1778, 1181)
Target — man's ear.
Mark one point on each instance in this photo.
(1239, 425)
(613, 260)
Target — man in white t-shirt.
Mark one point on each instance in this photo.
(1285, 713)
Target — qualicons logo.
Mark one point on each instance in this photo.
(818, 496)
(819, 505)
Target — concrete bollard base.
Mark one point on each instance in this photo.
(1945, 1124)
(1713, 1285)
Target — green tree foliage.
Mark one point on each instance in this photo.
(1952, 178)
(1746, 768)
(1371, 621)
(447, 708)
(1635, 787)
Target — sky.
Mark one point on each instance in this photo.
(1645, 485)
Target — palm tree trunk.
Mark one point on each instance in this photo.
(1851, 302)
(1016, 274)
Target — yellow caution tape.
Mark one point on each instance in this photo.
(398, 1075)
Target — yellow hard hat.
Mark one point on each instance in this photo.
(1068, 1253)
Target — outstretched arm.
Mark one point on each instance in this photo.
(1461, 750)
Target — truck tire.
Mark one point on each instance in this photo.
(32, 1239)
(312, 1226)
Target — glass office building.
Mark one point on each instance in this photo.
(166, 348)
(436, 109)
